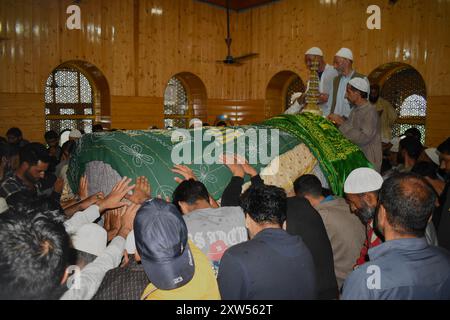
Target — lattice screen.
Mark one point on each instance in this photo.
(68, 101)
(175, 105)
(407, 92)
(296, 85)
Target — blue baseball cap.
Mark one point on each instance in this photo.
(161, 238)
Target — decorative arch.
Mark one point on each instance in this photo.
(185, 98)
(279, 91)
(77, 95)
(404, 87)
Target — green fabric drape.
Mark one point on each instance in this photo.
(148, 153)
(337, 155)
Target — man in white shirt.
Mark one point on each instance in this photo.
(326, 75)
(343, 63)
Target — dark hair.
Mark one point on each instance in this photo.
(14, 132)
(425, 169)
(265, 204)
(413, 132)
(97, 127)
(409, 202)
(32, 153)
(375, 86)
(412, 146)
(68, 147)
(189, 191)
(35, 271)
(308, 184)
(444, 147)
(49, 135)
(363, 94)
(221, 124)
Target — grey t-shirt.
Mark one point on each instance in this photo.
(213, 230)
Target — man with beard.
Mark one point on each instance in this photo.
(363, 124)
(385, 110)
(326, 74)
(343, 63)
(405, 266)
(34, 161)
(361, 191)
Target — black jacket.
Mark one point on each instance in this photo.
(302, 220)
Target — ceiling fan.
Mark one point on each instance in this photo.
(229, 59)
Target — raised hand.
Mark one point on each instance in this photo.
(142, 191)
(127, 220)
(59, 185)
(233, 163)
(83, 188)
(113, 200)
(185, 171)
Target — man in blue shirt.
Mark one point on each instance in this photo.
(273, 265)
(404, 266)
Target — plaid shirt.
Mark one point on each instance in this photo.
(12, 185)
(123, 283)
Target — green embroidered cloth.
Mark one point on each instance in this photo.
(148, 153)
(337, 155)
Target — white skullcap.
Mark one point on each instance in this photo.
(314, 51)
(433, 154)
(360, 84)
(195, 122)
(130, 244)
(75, 133)
(3, 205)
(363, 180)
(90, 238)
(345, 53)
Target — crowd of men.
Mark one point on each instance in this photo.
(388, 238)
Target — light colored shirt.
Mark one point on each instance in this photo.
(363, 129)
(388, 117)
(214, 230)
(343, 107)
(92, 275)
(81, 218)
(346, 234)
(325, 86)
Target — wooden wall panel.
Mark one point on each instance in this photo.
(438, 120)
(138, 51)
(25, 111)
(136, 112)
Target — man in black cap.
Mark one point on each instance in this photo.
(176, 268)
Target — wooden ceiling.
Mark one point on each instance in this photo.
(239, 5)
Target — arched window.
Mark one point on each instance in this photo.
(279, 91)
(69, 101)
(404, 88)
(176, 108)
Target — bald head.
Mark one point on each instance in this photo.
(408, 201)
